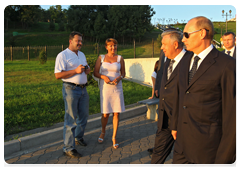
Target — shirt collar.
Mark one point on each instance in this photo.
(232, 50)
(179, 56)
(204, 53)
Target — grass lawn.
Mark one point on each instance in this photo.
(33, 96)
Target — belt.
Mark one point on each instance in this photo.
(78, 85)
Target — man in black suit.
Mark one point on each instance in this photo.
(159, 73)
(172, 47)
(229, 40)
(158, 81)
(206, 120)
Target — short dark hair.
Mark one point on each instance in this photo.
(72, 34)
(228, 33)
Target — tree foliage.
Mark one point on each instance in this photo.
(94, 21)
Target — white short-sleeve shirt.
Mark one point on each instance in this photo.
(69, 60)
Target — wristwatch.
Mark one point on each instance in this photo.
(121, 77)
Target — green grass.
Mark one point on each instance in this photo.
(33, 96)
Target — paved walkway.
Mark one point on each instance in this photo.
(135, 136)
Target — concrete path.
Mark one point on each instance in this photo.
(135, 136)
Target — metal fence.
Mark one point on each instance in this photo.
(135, 50)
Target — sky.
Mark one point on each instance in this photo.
(183, 13)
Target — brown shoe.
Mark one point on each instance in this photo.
(73, 154)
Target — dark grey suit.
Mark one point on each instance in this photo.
(168, 97)
(159, 72)
(206, 126)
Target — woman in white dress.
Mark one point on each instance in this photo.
(154, 76)
(111, 92)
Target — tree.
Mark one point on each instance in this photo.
(100, 27)
(139, 20)
(30, 15)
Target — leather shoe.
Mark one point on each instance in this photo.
(81, 142)
(150, 150)
(73, 154)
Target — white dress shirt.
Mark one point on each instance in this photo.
(201, 55)
(178, 59)
(232, 51)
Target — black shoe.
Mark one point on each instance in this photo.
(150, 150)
(73, 154)
(81, 142)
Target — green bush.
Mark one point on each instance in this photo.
(91, 63)
(42, 57)
(52, 26)
(61, 26)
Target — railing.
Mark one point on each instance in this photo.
(135, 50)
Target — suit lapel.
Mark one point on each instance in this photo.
(206, 63)
(174, 73)
(234, 53)
(165, 71)
(185, 64)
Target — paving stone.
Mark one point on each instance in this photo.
(94, 159)
(135, 136)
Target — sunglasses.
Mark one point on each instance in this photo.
(187, 34)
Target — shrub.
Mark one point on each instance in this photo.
(52, 26)
(42, 57)
(61, 26)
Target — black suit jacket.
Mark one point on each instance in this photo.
(234, 53)
(168, 95)
(206, 126)
(227, 154)
(159, 72)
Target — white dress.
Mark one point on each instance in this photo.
(111, 96)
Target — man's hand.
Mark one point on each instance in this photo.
(156, 93)
(174, 134)
(87, 71)
(80, 69)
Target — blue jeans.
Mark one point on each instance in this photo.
(76, 102)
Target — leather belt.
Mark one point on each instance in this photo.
(78, 85)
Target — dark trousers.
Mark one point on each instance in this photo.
(163, 143)
(179, 158)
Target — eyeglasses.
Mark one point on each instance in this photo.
(186, 34)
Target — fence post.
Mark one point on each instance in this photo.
(152, 48)
(28, 53)
(62, 47)
(11, 50)
(134, 46)
(97, 49)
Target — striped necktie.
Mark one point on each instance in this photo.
(170, 68)
(194, 69)
(228, 52)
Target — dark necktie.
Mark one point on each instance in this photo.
(170, 68)
(194, 69)
(228, 52)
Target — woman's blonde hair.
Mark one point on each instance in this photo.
(110, 40)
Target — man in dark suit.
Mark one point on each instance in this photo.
(172, 47)
(206, 120)
(158, 81)
(159, 73)
(229, 40)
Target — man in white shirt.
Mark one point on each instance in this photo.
(172, 47)
(71, 66)
(229, 40)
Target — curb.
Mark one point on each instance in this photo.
(56, 134)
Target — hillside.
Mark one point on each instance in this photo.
(41, 36)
